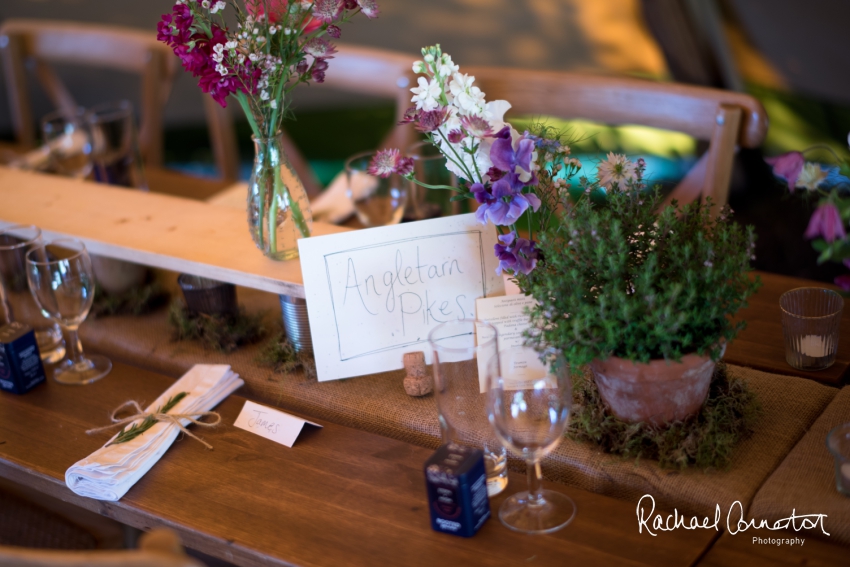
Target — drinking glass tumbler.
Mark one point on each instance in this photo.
(429, 167)
(61, 279)
(115, 145)
(811, 318)
(531, 421)
(378, 201)
(16, 301)
(838, 442)
(68, 139)
(460, 348)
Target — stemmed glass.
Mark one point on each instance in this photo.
(531, 422)
(61, 280)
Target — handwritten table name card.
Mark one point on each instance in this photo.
(374, 294)
(270, 423)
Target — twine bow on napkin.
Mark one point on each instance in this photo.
(148, 419)
(109, 472)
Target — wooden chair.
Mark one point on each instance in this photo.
(354, 69)
(725, 119)
(159, 548)
(38, 43)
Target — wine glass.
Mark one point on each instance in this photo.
(69, 141)
(461, 350)
(531, 422)
(377, 201)
(61, 280)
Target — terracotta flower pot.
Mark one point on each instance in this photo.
(659, 392)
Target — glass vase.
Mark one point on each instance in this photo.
(278, 207)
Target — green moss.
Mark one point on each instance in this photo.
(705, 441)
(280, 354)
(224, 333)
(137, 301)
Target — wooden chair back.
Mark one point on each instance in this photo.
(35, 44)
(725, 119)
(354, 69)
(159, 548)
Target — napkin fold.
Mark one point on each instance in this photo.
(109, 472)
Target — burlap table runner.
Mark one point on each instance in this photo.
(379, 404)
(805, 480)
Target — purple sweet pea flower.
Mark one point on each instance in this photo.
(826, 222)
(504, 157)
(517, 254)
(788, 167)
(503, 204)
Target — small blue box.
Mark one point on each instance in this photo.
(20, 361)
(457, 490)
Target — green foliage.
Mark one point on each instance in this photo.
(622, 280)
(280, 354)
(136, 301)
(224, 333)
(705, 441)
(138, 428)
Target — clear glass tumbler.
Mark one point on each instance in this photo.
(377, 201)
(838, 442)
(67, 137)
(811, 318)
(16, 301)
(461, 350)
(429, 167)
(115, 145)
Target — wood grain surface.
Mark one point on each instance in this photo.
(338, 497)
(761, 345)
(157, 230)
(739, 550)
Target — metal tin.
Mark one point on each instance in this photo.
(211, 297)
(295, 322)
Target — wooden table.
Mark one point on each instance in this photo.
(339, 497)
(761, 344)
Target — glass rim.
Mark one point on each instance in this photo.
(8, 247)
(108, 111)
(79, 114)
(409, 151)
(358, 155)
(830, 435)
(812, 317)
(475, 322)
(79, 253)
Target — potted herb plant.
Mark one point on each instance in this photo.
(643, 294)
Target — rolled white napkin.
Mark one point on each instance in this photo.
(109, 472)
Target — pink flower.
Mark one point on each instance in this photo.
(456, 136)
(388, 161)
(431, 120)
(319, 48)
(826, 222)
(788, 167)
(328, 11)
(369, 8)
(477, 126)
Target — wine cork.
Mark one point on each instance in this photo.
(417, 382)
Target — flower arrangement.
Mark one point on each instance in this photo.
(830, 185)
(618, 279)
(276, 46)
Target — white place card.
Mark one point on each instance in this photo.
(270, 423)
(521, 370)
(375, 294)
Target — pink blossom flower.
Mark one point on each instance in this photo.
(788, 167)
(319, 48)
(334, 31)
(826, 222)
(431, 120)
(456, 136)
(411, 115)
(328, 11)
(369, 8)
(389, 161)
(477, 126)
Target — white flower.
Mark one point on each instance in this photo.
(273, 104)
(221, 69)
(426, 95)
(206, 4)
(447, 67)
(253, 57)
(264, 95)
(231, 45)
(419, 67)
(616, 172)
(811, 176)
(219, 6)
(240, 58)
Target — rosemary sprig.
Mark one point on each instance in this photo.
(138, 428)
